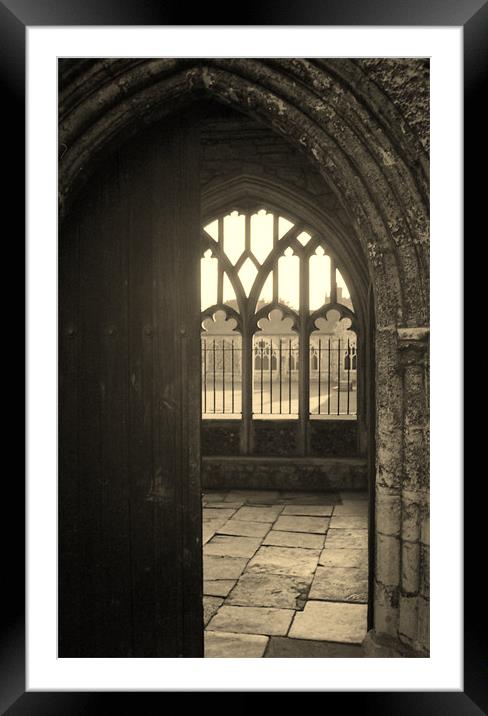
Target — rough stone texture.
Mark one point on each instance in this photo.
(222, 645)
(270, 590)
(281, 647)
(311, 510)
(406, 82)
(387, 560)
(330, 621)
(217, 514)
(334, 557)
(358, 134)
(285, 560)
(244, 528)
(346, 539)
(226, 546)
(222, 567)
(218, 587)
(252, 620)
(328, 438)
(354, 507)
(351, 522)
(258, 514)
(340, 584)
(294, 539)
(284, 473)
(295, 523)
(210, 607)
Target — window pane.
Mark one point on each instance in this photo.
(266, 295)
(343, 295)
(304, 238)
(289, 279)
(247, 274)
(261, 235)
(229, 295)
(213, 230)
(319, 280)
(208, 280)
(234, 235)
(284, 226)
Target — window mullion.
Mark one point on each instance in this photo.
(304, 367)
(220, 275)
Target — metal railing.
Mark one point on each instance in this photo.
(275, 377)
(333, 377)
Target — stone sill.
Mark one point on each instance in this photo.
(281, 473)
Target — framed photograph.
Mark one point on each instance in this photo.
(238, 237)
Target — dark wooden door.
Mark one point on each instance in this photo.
(129, 404)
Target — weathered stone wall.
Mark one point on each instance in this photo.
(362, 125)
(280, 438)
(307, 473)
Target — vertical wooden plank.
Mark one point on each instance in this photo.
(129, 452)
(68, 487)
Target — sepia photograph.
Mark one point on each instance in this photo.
(243, 357)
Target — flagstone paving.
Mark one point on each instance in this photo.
(285, 573)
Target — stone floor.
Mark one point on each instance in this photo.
(285, 573)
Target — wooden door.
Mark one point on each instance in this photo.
(130, 581)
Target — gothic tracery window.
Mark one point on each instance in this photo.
(279, 331)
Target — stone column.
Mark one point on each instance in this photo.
(401, 583)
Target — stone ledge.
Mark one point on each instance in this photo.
(276, 473)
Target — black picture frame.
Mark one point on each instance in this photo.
(15, 17)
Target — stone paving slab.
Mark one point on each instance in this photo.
(340, 584)
(282, 647)
(347, 539)
(207, 533)
(210, 607)
(308, 510)
(224, 645)
(218, 587)
(252, 620)
(310, 498)
(332, 557)
(312, 525)
(254, 497)
(354, 507)
(351, 522)
(294, 561)
(270, 590)
(234, 505)
(210, 527)
(294, 539)
(329, 621)
(216, 567)
(258, 514)
(244, 528)
(208, 497)
(210, 513)
(229, 546)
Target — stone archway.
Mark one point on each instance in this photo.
(360, 142)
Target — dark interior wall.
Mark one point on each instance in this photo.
(234, 144)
